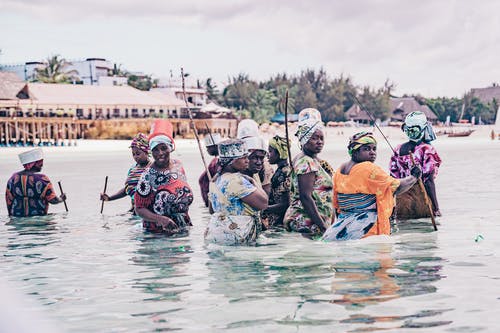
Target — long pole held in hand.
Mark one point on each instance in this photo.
(420, 182)
(193, 125)
(286, 131)
(60, 188)
(105, 186)
(426, 197)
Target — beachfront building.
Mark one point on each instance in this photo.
(488, 94)
(400, 107)
(91, 71)
(18, 98)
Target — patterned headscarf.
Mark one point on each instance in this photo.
(156, 140)
(359, 139)
(279, 143)
(230, 150)
(307, 129)
(141, 142)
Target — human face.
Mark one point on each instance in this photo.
(274, 156)
(240, 164)
(161, 155)
(315, 144)
(213, 150)
(256, 161)
(140, 157)
(365, 153)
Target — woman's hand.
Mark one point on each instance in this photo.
(167, 224)
(105, 197)
(416, 171)
(62, 197)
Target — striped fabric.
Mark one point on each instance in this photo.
(356, 202)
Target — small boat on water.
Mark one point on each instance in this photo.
(461, 133)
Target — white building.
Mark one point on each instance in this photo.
(92, 71)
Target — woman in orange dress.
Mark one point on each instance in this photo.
(364, 193)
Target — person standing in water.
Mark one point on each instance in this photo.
(311, 210)
(212, 141)
(30, 192)
(140, 154)
(420, 133)
(363, 193)
(163, 196)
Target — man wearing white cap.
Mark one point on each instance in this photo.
(29, 192)
(212, 141)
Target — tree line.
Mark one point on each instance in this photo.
(332, 96)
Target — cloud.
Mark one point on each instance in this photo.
(412, 42)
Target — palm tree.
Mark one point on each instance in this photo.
(56, 71)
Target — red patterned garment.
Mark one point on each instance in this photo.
(165, 193)
(425, 156)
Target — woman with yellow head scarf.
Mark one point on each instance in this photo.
(363, 193)
(279, 196)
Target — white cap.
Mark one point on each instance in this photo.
(255, 143)
(31, 156)
(308, 114)
(212, 139)
(246, 128)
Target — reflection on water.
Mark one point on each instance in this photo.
(103, 273)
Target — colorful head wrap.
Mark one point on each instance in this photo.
(306, 130)
(414, 126)
(279, 143)
(360, 139)
(230, 150)
(309, 114)
(156, 140)
(140, 141)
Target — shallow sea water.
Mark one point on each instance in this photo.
(88, 272)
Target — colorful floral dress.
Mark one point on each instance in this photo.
(165, 193)
(364, 200)
(225, 196)
(296, 218)
(280, 189)
(28, 194)
(425, 156)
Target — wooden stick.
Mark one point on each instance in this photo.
(426, 197)
(60, 188)
(105, 186)
(194, 127)
(209, 132)
(286, 132)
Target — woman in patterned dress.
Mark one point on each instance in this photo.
(140, 154)
(420, 134)
(279, 196)
(235, 199)
(311, 210)
(162, 196)
(364, 193)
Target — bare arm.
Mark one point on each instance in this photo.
(59, 199)
(118, 195)
(257, 199)
(306, 183)
(405, 184)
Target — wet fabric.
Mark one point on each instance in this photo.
(364, 200)
(165, 193)
(204, 182)
(425, 156)
(296, 218)
(280, 189)
(133, 176)
(225, 196)
(28, 194)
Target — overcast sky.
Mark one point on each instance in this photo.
(431, 47)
